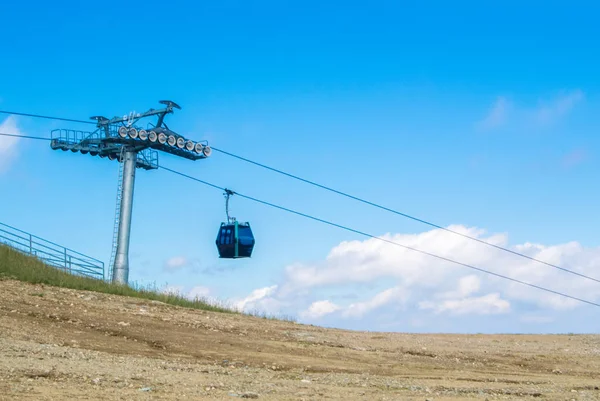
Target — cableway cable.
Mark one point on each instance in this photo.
(25, 136)
(403, 214)
(356, 231)
(356, 199)
(381, 239)
(47, 117)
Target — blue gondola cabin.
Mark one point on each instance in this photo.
(235, 240)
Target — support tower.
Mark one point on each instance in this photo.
(122, 139)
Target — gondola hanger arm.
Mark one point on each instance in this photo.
(227, 194)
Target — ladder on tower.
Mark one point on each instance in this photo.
(117, 217)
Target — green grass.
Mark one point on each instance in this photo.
(17, 266)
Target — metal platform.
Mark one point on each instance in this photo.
(108, 143)
(52, 254)
(97, 144)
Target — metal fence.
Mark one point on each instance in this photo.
(52, 254)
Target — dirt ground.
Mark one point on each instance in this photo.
(59, 344)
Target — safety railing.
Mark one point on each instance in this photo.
(91, 142)
(52, 254)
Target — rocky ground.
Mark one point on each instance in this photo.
(59, 344)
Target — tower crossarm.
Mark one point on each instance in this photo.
(133, 118)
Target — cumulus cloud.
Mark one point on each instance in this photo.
(466, 286)
(421, 284)
(369, 260)
(396, 295)
(319, 309)
(260, 299)
(8, 145)
(378, 286)
(484, 305)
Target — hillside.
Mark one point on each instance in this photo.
(59, 344)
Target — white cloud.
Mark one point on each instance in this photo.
(460, 301)
(441, 286)
(497, 115)
(466, 286)
(484, 305)
(319, 309)
(366, 261)
(395, 287)
(8, 145)
(396, 295)
(175, 263)
(259, 299)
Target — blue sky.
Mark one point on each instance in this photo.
(478, 116)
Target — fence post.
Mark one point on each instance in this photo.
(65, 257)
(70, 267)
(30, 245)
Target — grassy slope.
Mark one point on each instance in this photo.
(15, 265)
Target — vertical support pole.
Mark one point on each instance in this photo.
(30, 244)
(121, 267)
(65, 250)
(235, 238)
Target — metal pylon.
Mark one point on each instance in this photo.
(117, 216)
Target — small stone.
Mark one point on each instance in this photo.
(123, 324)
(249, 395)
(305, 381)
(145, 389)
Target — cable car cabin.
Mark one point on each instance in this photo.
(235, 240)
